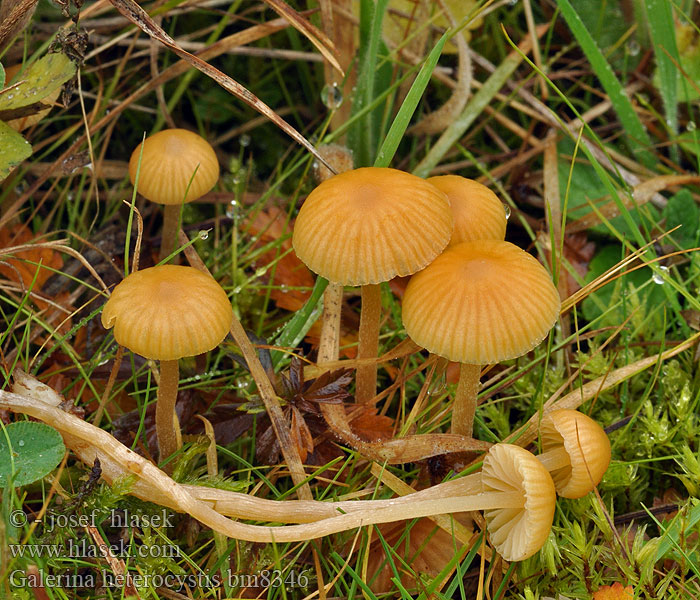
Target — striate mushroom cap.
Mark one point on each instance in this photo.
(517, 533)
(170, 159)
(587, 445)
(477, 211)
(480, 303)
(371, 224)
(168, 312)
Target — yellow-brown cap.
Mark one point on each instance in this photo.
(587, 447)
(477, 211)
(168, 312)
(371, 224)
(171, 159)
(517, 533)
(480, 302)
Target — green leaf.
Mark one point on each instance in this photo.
(46, 75)
(663, 35)
(13, 149)
(682, 210)
(2, 77)
(33, 451)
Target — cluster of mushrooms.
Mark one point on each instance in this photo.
(473, 298)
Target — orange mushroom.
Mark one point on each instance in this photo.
(366, 226)
(576, 451)
(477, 211)
(166, 313)
(176, 166)
(479, 303)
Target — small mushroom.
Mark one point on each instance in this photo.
(479, 303)
(166, 313)
(576, 451)
(176, 166)
(364, 227)
(477, 211)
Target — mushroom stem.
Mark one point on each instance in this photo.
(243, 506)
(328, 348)
(366, 381)
(166, 419)
(464, 407)
(556, 458)
(171, 221)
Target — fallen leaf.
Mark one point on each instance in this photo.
(289, 272)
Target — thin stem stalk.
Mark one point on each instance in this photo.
(166, 419)
(366, 382)
(556, 458)
(464, 407)
(171, 220)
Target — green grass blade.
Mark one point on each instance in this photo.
(403, 117)
(663, 34)
(639, 139)
(361, 136)
(298, 326)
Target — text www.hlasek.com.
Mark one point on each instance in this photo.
(84, 549)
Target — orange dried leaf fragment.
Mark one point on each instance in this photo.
(614, 592)
(21, 266)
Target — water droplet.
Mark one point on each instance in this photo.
(691, 126)
(331, 96)
(21, 443)
(244, 140)
(633, 47)
(232, 209)
(203, 234)
(506, 208)
(658, 278)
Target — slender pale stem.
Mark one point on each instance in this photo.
(243, 506)
(166, 419)
(366, 381)
(464, 407)
(171, 220)
(329, 346)
(556, 458)
(328, 351)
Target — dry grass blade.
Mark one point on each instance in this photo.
(319, 39)
(13, 18)
(141, 19)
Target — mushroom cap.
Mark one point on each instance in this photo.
(585, 442)
(168, 312)
(517, 533)
(170, 159)
(371, 224)
(477, 211)
(480, 302)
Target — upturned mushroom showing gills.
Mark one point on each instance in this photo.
(479, 303)
(513, 489)
(477, 211)
(363, 227)
(176, 166)
(576, 451)
(166, 313)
